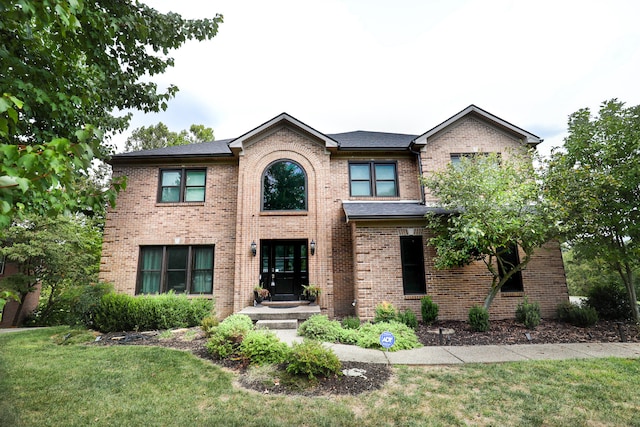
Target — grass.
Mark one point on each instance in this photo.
(45, 384)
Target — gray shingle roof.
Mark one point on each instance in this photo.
(388, 210)
(204, 149)
(372, 140)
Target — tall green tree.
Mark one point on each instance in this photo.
(69, 70)
(159, 136)
(594, 182)
(496, 207)
(56, 253)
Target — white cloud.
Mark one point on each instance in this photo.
(341, 65)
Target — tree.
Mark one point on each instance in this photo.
(67, 66)
(159, 136)
(496, 208)
(57, 253)
(594, 182)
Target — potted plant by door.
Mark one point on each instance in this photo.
(260, 294)
(311, 292)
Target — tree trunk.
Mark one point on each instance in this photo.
(627, 278)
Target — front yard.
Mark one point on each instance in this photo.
(42, 383)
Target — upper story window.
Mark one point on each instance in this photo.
(373, 179)
(284, 187)
(182, 185)
(457, 157)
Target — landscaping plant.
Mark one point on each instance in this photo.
(310, 358)
(479, 318)
(582, 316)
(429, 310)
(528, 313)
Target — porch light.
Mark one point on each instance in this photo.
(254, 248)
(312, 247)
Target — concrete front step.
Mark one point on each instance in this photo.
(280, 313)
(277, 324)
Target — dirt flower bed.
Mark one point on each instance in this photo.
(364, 377)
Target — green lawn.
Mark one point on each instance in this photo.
(45, 384)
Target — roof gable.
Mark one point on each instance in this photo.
(525, 136)
(238, 144)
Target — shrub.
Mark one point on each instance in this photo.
(228, 335)
(429, 310)
(408, 317)
(349, 336)
(120, 312)
(479, 318)
(528, 313)
(263, 347)
(319, 327)
(384, 312)
(369, 336)
(582, 316)
(610, 301)
(310, 358)
(351, 322)
(209, 324)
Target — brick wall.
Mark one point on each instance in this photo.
(378, 277)
(139, 219)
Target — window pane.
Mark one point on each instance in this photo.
(359, 188)
(151, 258)
(412, 256)
(195, 194)
(176, 281)
(386, 188)
(170, 194)
(386, 172)
(203, 258)
(202, 282)
(150, 282)
(284, 187)
(195, 178)
(171, 178)
(177, 258)
(360, 172)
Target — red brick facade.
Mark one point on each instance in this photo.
(354, 260)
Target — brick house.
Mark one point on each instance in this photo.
(285, 205)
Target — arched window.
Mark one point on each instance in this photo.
(284, 187)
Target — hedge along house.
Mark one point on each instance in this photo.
(285, 205)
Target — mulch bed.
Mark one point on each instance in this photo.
(371, 376)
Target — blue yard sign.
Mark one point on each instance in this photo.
(387, 339)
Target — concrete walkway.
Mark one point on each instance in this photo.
(453, 355)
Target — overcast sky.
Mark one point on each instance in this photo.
(401, 66)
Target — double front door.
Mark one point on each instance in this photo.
(284, 268)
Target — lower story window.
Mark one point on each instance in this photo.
(412, 256)
(511, 259)
(182, 269)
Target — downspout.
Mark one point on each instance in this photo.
(419, 157)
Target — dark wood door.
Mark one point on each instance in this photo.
(284, 268)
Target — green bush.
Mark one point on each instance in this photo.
(479, 318)
(351, 322)
(528, 313)
(121, 312)
(408, 317)
(349, 336)
(310, 358)
(385, 312)
(369, 336)
(429, 310)
(263, 347)
(74, 306)
(209, 324)
(226, 339)
(582, 316)
(610, 301)
(319, 327)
